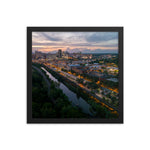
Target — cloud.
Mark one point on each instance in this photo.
(51, 38)
(102, 36)
(43, 44)
(50, 41)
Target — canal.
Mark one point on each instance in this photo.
(76, 101)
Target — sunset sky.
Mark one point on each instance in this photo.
(86, 42)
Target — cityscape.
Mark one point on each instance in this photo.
(75, 82)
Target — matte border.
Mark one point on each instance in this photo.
(29, 73)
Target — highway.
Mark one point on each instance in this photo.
(87, 90)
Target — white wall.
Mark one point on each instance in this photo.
(15, 15)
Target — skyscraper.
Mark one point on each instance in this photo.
(60, 53)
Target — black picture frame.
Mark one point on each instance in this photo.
(29, 73)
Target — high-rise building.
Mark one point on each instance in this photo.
(60, 53)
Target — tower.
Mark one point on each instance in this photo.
(60, 53)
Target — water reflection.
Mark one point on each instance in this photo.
(76, 101)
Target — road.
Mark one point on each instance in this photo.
(97, 96)
(89, 91)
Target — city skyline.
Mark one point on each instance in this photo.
(85, 42)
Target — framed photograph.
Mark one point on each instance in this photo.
(74, 74)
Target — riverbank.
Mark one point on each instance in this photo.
(76, 100)
(103, 110)
(52, 105)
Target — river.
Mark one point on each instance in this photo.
(76, 101)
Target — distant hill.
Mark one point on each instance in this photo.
(85, 51)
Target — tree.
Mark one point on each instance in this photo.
(47, 111)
